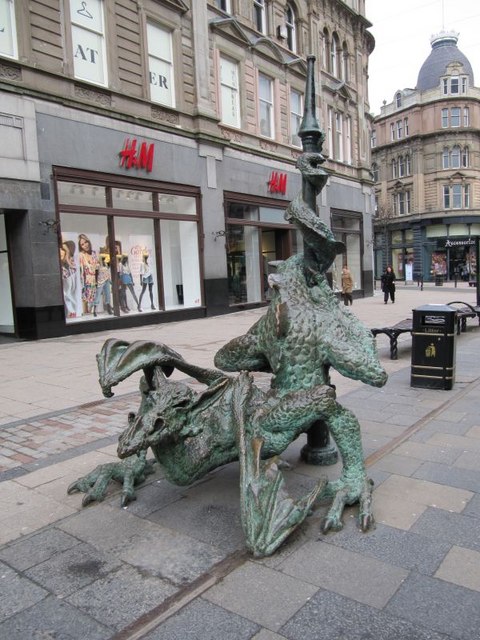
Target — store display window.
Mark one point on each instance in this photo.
(257, 237)
(347, 228)
(126, 250)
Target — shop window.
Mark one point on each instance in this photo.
(151, 261)
(265, 106)
(132, 199)
(252, 247)
(8, 29)
(86, 195)
(88, 40)
(181, 275)
(160, 65)
(296, 115)
(229, 92)
(82, 252)
(177, 205)
(347, 228)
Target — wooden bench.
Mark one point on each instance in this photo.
(464, 312)
(404, 326)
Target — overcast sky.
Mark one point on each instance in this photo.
(402, 30)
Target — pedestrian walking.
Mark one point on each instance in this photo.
(347, 286)
(388, 284)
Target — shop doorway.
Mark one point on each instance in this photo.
(7, 322)
(275, 246)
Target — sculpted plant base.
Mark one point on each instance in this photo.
(304, 332)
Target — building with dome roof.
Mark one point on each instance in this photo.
(426, 165)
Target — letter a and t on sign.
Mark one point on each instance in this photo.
(143, 159)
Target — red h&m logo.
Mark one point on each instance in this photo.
(141, 159)
(277, 183)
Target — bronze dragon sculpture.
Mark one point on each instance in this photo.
(304, 332)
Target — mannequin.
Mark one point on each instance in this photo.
(146, 278)
(69, 277)
(103, 285)
(126, 282)
(88, 268)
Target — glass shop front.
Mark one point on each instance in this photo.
(129, 247)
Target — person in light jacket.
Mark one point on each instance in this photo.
(347, 286)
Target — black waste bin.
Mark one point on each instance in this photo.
(439, 281)
(433, 347)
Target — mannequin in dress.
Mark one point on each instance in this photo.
(146, 278)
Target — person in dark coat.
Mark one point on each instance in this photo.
(388, 284)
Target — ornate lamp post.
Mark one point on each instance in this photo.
(318, 450)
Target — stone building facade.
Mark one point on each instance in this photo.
(426, 165)
(149, 152)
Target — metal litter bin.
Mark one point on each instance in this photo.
(433, 347)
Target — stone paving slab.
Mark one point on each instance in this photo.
(329, 615)
(438, 605)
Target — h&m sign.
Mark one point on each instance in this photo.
(277, 183)
(137, 158)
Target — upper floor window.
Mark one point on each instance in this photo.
(399, 129)
(265, 105)
(398, 99)
(88, 40)
(160, 63)
(392, 131)
(339, 136)
(346, 62)
(224, 5)
(394, 168)
(455, 157)
(325, 49)
(454, 85)
(229, 92)
(453, 117)
(348, 140)
(444, 118)
(296, 115)
(335, 52)
(373, 139)
(456, 196)
(8, 30)
(290, 23)
(405, 126)
(375, 172)
(402, 203)
(260, 16)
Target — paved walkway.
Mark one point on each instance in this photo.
(173, 564)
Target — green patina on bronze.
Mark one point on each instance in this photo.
(304, 332)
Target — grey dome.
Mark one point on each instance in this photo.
(444, 51)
